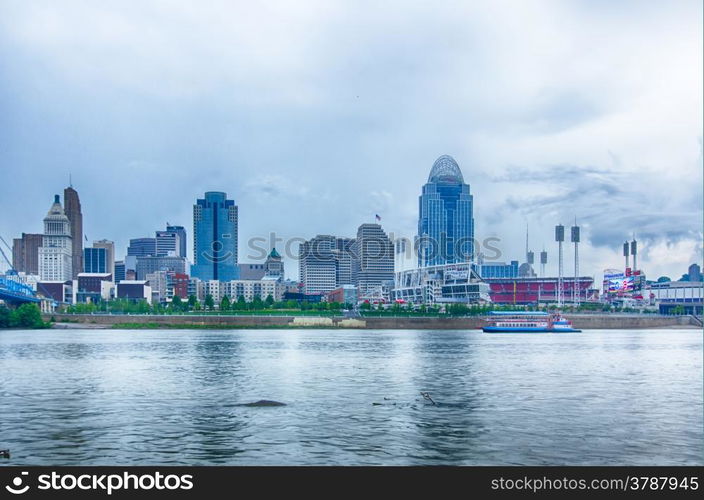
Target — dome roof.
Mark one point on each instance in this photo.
(56, 212)
(446, 171)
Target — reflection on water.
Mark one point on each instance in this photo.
(352, 397)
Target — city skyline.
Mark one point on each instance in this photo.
(593, 131)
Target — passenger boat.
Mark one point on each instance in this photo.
(527, 322)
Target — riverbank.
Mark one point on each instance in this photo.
(582, 321)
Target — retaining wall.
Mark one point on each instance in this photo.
(583, 321)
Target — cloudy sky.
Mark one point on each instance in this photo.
(314, 116)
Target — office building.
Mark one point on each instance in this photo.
(446, 220)
(180, 231)
(317, 265)
(141, 247)
(25, 253)
(151, 263)
(119, 270)
(274, 265)
(109, 247)
(215, 238)
(55, 254)
(95, 260)
(167, 243)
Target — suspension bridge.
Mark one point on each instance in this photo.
(12, 290)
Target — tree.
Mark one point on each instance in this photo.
(176, 303)
(27, 316)
(664, 279)
(192, 301)
(269, 301)
(225, 303)
(257, 303)
(366, 306)
(5, 317)
(209, 302)
(241, 304)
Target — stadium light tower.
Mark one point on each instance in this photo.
(634, 252)
(543, 261)
(560, 238)
(575, 240)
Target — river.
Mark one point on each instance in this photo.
(147, 397)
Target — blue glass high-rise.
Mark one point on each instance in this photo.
(215, 238)
(446, 218)
(95, 260)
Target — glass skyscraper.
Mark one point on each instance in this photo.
(446, 218)
(215, 238)
(95, 260)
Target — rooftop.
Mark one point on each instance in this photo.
(446, 171)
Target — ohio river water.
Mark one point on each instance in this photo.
(104, 397)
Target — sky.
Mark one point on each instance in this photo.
(314, 116)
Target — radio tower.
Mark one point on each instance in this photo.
(559, 237)
(530, 256)
(575, 240)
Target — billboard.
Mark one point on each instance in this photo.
(616, 282)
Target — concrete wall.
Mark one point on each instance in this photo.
(583, 321)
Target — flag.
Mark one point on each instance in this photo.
(377, 217)
(85, 236)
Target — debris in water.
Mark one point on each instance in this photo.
(4, 453)
(264, 402)
(426, 395)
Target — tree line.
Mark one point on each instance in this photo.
(25, 316)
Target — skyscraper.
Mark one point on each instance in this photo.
(215, 238)
(181, 232)
(373, 263)
(55, 257)
(167, 243)
(316, 265)
(72, 209)
(446, 218)
(109, 247)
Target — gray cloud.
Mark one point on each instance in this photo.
(315, 115)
